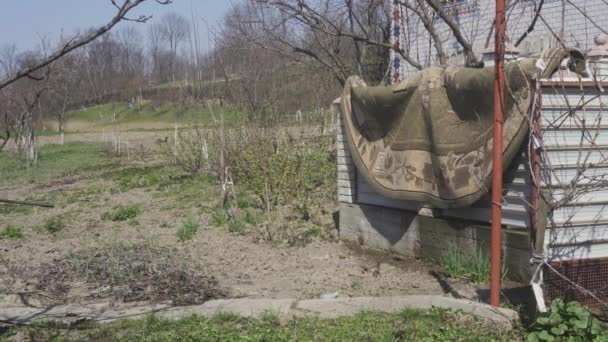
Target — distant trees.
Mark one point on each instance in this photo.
(267, 56)
(27, 78)
(174, 31)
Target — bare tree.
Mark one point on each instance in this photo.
(155, 44)
(174, 31)
(37, 66)
(78, 41)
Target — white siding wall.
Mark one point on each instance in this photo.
(578, 230)
(346, 168)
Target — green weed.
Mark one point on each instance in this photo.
(465, 263)
(56, 161)
(408, 325)
(244, 202)
(122, 213)
(219, 217)
(567, 322)
(236, 226)
(251, 216)
(54, 225)
(142, 177)
(11, 232)
(187, 230)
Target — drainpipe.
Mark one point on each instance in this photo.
(499, 84)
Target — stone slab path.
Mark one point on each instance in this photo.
(325, 308)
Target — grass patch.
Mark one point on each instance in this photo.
(122, 213)
(244, 202)
(219, 217)
(142, 177)
(54, 225)
(187, 230)
(235, 225)
(468, 264)
(251, 216)
(11, 232)
(6, 209)
(148, 112)
(133, 222)
(55, 161)
(408, 325)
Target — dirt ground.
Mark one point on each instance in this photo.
(241, 264)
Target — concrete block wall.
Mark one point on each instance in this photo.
(409, 234)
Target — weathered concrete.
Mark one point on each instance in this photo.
(407, 233)
(243, 306)
(380, 228)
(349, 306)
(105, 312)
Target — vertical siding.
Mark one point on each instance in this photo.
(579, 229)
(346, 168)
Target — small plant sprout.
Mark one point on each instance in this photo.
(54, 225)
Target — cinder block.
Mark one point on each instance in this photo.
(406, 233)
(380, 228)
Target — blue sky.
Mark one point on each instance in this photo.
(24, 21)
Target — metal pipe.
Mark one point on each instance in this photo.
(499, 83)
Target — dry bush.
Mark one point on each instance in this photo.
(290, 170)
(190, 150)
(280, 170)
(128, 273)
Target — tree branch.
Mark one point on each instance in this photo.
(532, 24)
(471, 59)
(127, 6)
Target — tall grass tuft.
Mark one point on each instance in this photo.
(469, 264)
(187, 230)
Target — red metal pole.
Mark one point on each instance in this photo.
(499, 83)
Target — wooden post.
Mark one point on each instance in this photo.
(175, 143)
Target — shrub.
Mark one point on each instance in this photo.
(54, 225)
(11, 232)
(122, 213)
(130, 272)
(191, 152)
(282, 170)
(473, 265)
(568, 322)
